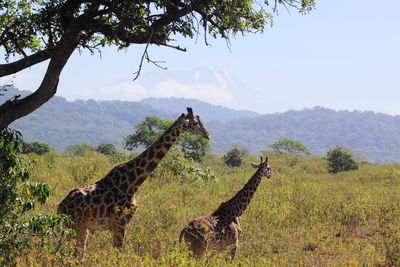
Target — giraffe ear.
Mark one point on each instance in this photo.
(254, 165)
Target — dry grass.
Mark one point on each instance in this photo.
(302, 216)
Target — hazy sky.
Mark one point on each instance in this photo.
(342, 55)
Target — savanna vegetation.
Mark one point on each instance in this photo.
(303, 215)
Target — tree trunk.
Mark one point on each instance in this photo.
(17, 108)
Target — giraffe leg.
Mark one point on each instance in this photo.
(81, 241)
(233, 252)
(236, 245)
(198, 251)
(118, 237)
(237, 220)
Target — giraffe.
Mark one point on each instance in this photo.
(110, 203)
(221, 230)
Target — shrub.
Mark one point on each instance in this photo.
(233, 158)
(90, 165)
(35, 147)
(176, 164)
(112, 153)
(340, 159)
(78, 149)
(107, 149)
(20, 230)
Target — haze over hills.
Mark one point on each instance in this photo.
(60, 123)
(206, 111)
(213, 86)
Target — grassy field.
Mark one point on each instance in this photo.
(302, 216)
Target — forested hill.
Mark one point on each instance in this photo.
(375, 136)
(60, 123)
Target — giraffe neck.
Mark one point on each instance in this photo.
(130, 175)
(235, 206)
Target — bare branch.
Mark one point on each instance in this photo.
(177, 47)
(137, 73)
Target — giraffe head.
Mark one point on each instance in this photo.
(193, 124)
(264, 167)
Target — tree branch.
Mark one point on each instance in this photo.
(12, 110)
(145, 55)
(14, 67)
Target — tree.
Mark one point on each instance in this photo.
(32, 32)
(234, 157)
(148, 131)
(340, 159)
(285, 145)
(107, 149)
(19, 229)
(193, 146)
(35, 147)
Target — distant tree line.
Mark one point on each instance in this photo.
(339, 159)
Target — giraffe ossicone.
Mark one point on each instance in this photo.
(220, 231)
(110, 203)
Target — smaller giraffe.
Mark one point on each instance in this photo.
(221, 230)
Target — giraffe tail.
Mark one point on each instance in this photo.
(182, 235)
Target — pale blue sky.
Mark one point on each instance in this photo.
(342, 55)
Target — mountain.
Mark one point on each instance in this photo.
(374, 136)
(61, 123)
(207, 111)
(207, 85)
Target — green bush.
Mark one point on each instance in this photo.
(19, 230)
(340, 159)
(107, 149)
(233, 158)
(35, 147)
(177, 165)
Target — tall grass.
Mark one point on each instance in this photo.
(302, 216)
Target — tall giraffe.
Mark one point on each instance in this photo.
(110, 203)
(221, 230)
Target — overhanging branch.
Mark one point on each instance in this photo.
(26, 62)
